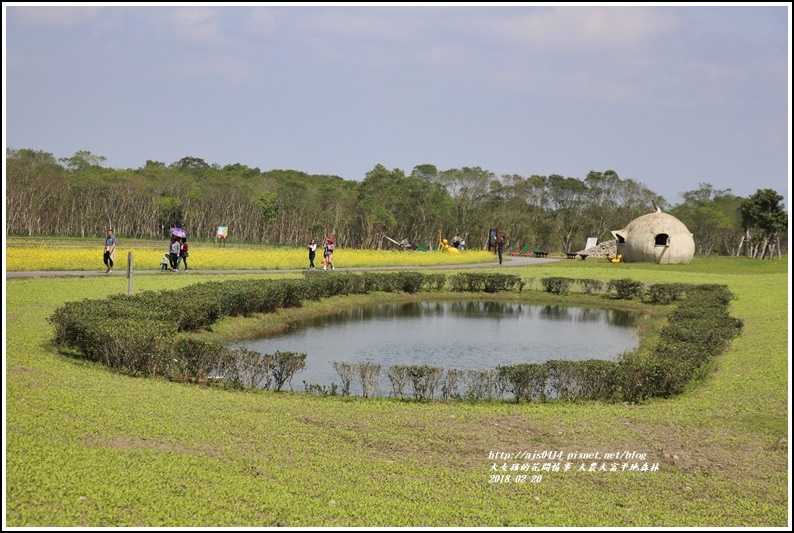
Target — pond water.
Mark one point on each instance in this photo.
(463, 335)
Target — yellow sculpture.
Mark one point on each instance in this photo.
(445, 245)
(617, 259)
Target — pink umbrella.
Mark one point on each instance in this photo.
(178, 232)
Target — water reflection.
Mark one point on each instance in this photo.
(464, 335)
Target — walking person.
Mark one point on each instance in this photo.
(182, 254)
(500, 246)
(329, 253)
(174, 253)
(312, 252)
(109, 254)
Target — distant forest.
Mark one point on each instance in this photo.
(77, 196)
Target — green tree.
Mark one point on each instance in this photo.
(425, 172)
(267, 202)
(380, 198)
(762, 214)
(81, 160)
(468, 188)
(568, 200)
(35, 185)
(170, 210)
(713, 218)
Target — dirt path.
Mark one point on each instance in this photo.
(507, 262)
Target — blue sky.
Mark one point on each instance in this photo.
(668, 96)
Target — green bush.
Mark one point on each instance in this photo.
(524, 381)
(556, 285)
(285, 365)
(590, 286)
(490, 283)
(144, 335)
(398, 375)
(597, 379)
(195, 360)
(626, 288)
(140, 334)
(665, 293)
(481, 385)
(424, 379)
(698, 329)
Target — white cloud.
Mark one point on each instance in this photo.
(264, 19)
(214, 67)
(196, 24)
(62, 17)
(355, 24)
(586, 28)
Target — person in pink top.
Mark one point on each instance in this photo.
(329, 253)
(182, 254)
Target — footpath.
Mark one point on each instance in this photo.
(507, 262)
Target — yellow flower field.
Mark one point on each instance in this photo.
(237, 258)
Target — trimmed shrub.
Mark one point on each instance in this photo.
(195, 360)
(591, 286)
(556, 285)
(597, 379)
(481, 385)
(626, 288)
(285, 365)
(527, 380)
(346, 372)
(424, 379)
(490, 283)
(398, 375)
(449, 388)
(665, 293)
(141, 335)
(370, 377)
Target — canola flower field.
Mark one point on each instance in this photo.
(28, 254)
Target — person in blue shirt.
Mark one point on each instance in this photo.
(110, 251)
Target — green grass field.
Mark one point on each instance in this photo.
(86, 447)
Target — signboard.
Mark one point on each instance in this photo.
(591, 242)
(223, 232)
(493, 234)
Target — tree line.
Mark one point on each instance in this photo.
(77, 196)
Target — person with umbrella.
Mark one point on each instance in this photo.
(173, 252)
(174, 248)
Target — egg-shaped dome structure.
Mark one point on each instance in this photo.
(655, 238)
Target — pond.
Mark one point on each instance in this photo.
(463, 335)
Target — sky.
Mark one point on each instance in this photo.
(669, 96)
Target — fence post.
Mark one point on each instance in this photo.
(130, 262)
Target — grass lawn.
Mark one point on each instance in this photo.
(86, 447)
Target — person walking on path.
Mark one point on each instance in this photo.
(329, 254)
(500, 246)
(182, 254)
(312, 252)
(109, 254)
(174, 252)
